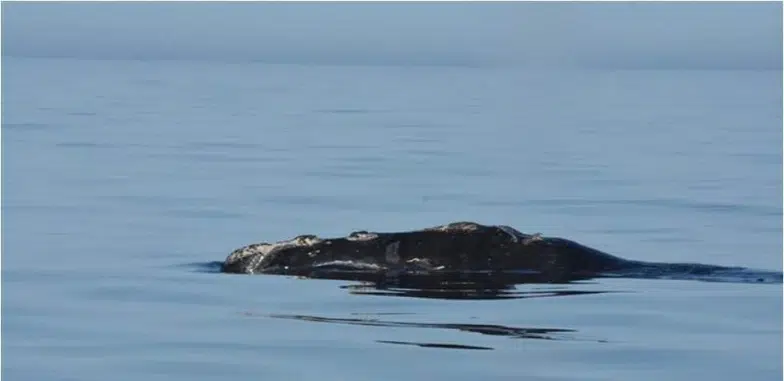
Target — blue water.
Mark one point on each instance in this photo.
(121, 179)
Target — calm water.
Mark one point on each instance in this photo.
(120, 178)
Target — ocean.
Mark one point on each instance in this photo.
(123, 180)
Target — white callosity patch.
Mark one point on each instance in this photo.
(303, 240)
(457, 226)
(256, 252)
(533, 238)
(362, 236)
(261, 250)
(256, 248)
(423, 264)
(348, 264)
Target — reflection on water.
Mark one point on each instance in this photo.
(466, 287)
(442, 285)
(461, 290)
(435, 345)
(446, 285)
(485, 329)
(501, 284)
(446, 290)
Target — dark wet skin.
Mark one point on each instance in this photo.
(448, 253)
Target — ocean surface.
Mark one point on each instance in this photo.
(123, 180)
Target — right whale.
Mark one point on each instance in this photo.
(455, 251)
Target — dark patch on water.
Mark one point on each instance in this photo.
(446, 285)
(700, 272)
(204, 267)
(460, 291)
(435, 345)
(380, 313)
(535, 333)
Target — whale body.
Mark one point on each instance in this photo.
(455, 250)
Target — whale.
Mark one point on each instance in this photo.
(454, 251)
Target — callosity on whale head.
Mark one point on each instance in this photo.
(266, 257)
(456, 247)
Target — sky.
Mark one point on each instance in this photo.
(660, 35)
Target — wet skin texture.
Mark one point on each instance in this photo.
(453, 252)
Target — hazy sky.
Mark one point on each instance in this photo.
(623, 35)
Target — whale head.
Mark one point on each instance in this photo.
(270, 257)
